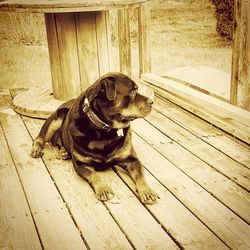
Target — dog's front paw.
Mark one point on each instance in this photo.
(147, 195)
(37, 151)
(104, 193)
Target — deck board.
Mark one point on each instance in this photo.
(229, 145)
(219, 161)
(222, 221)
(202, 206)
(228, 192)
(15, 215)
(47, 206)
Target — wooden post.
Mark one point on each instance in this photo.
(79, 50)
(87, 47)
(144, 39)
(124, 41)
(68, 84)
(240, 80)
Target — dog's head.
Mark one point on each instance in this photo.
(114, 98)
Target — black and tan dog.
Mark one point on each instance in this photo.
(94, 130)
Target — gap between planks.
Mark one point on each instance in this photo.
(237, 150)
(226, 191)
(219, 161)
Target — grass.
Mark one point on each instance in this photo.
(182, 34)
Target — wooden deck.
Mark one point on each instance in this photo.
(200, 173)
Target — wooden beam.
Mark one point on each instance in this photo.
(102, 42)
(124, 41)
(144, 39)
(229, 118)
(87, 48)
(240, 80)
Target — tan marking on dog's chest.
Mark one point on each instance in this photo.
(98, 144)
(85, 159)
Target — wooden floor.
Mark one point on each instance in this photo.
(200, 173)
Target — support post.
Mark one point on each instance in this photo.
(124, 41)
(144, 39)
(240, 79)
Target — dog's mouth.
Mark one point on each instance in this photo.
(128, 119)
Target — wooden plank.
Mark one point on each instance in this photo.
(144, 39)
(175, 218)
(66, 6)
(124, 41)
(226, 191)
(87, 48)
(235, 55)
(90, 215)
(54, 56)
(240, 81)
(225, 165)
(135, 221)
(213, 136)
(67, 44)
(102, 42)
(228, 117)
(245, 52)
(222, 221)
(53, 221)
(17, 228)
(36, 102)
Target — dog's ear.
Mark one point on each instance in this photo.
(109, 87)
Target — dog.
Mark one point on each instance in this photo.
(94, 131)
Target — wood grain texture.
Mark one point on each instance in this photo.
(17, 228)
(54, 55)
(240, 81)
(67, 44)
(225, 190)
(235, 55)
(87, 48)
(36, 102)
(227, 117)
(215, 137)
(54, 223)
(48, 6)
(222, 221)
(124, 41)
(102, 38)
(233, 170)
(186, 229)
(144, 39)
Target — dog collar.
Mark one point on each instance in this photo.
(96, 120)
(93, 117)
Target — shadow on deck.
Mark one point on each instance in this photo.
(200, 173)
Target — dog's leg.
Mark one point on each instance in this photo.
(136, 171)
(51, 125)
(96, 180)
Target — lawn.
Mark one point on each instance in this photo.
(182, 34)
